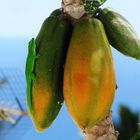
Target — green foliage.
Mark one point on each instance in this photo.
(128, 124)
(137, 135)
(92, 5)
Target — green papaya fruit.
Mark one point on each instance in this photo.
(120, 33)
(56, 13)
(46, 96)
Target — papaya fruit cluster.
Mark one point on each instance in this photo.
(72, 59)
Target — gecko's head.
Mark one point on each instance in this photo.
(32, 46)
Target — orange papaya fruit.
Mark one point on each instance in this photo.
(89, 76)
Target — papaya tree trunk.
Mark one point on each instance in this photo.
(105, 129)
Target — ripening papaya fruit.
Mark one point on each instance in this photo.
(89, 77)
(120, 33)
(45, 94)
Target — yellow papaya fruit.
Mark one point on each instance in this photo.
(89, 77)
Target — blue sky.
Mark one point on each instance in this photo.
(21, 20)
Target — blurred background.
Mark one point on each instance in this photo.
(19, 22)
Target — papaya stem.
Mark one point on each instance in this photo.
(77, 8)
(74, 8)
(102, 131)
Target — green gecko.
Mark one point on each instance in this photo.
(92, 5)
(29, 72)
